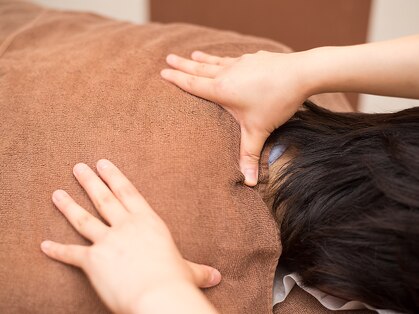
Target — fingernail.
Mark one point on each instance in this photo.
(171, 58)
(194, 53)
(250, 175)
(215, 277)
(79, 168)
(103, 164)
(58, 195)
(45, 245)
(164, 73)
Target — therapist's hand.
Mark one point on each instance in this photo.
(261, 90)
(132, 257)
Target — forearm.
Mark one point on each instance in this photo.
(388, 68)
(182, 298)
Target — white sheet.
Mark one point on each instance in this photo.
(285, 281)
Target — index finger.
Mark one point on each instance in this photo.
(199, 86)
(121, 187)
(201, 56)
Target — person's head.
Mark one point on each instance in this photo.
(348, 204)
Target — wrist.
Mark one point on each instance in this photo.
(307, 69)
(318, 71)
(173, 297)
(338, 69)
(150, 299)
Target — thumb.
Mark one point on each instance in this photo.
(251, 145)
(204, 276)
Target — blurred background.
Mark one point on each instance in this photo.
(300, 24)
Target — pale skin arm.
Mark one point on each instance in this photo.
(133, 263)
(387, 68)
(263, 90)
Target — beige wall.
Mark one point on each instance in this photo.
(129, 10)
(391, 19)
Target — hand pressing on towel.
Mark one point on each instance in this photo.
(264, 89)
(133, 263)
(250, 88)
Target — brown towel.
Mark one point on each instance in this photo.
(79, 87)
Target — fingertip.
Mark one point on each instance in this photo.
(79, 168)
(215, 277)
(45, 245)
(196, 54)
(165, 73)
(251, 177)
(103, 164)
(250, 182)
(58, 195)
(170, 58)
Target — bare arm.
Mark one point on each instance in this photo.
(182, 298)
(263, 90)
(388, 68)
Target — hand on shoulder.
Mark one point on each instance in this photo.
(261, 90)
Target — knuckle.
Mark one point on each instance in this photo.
(190, 81)
(124, 191)
(82, 220)
(201, 68)
(104, 200)
(215, 60)
(251, 157)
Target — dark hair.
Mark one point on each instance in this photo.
(348, 204)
